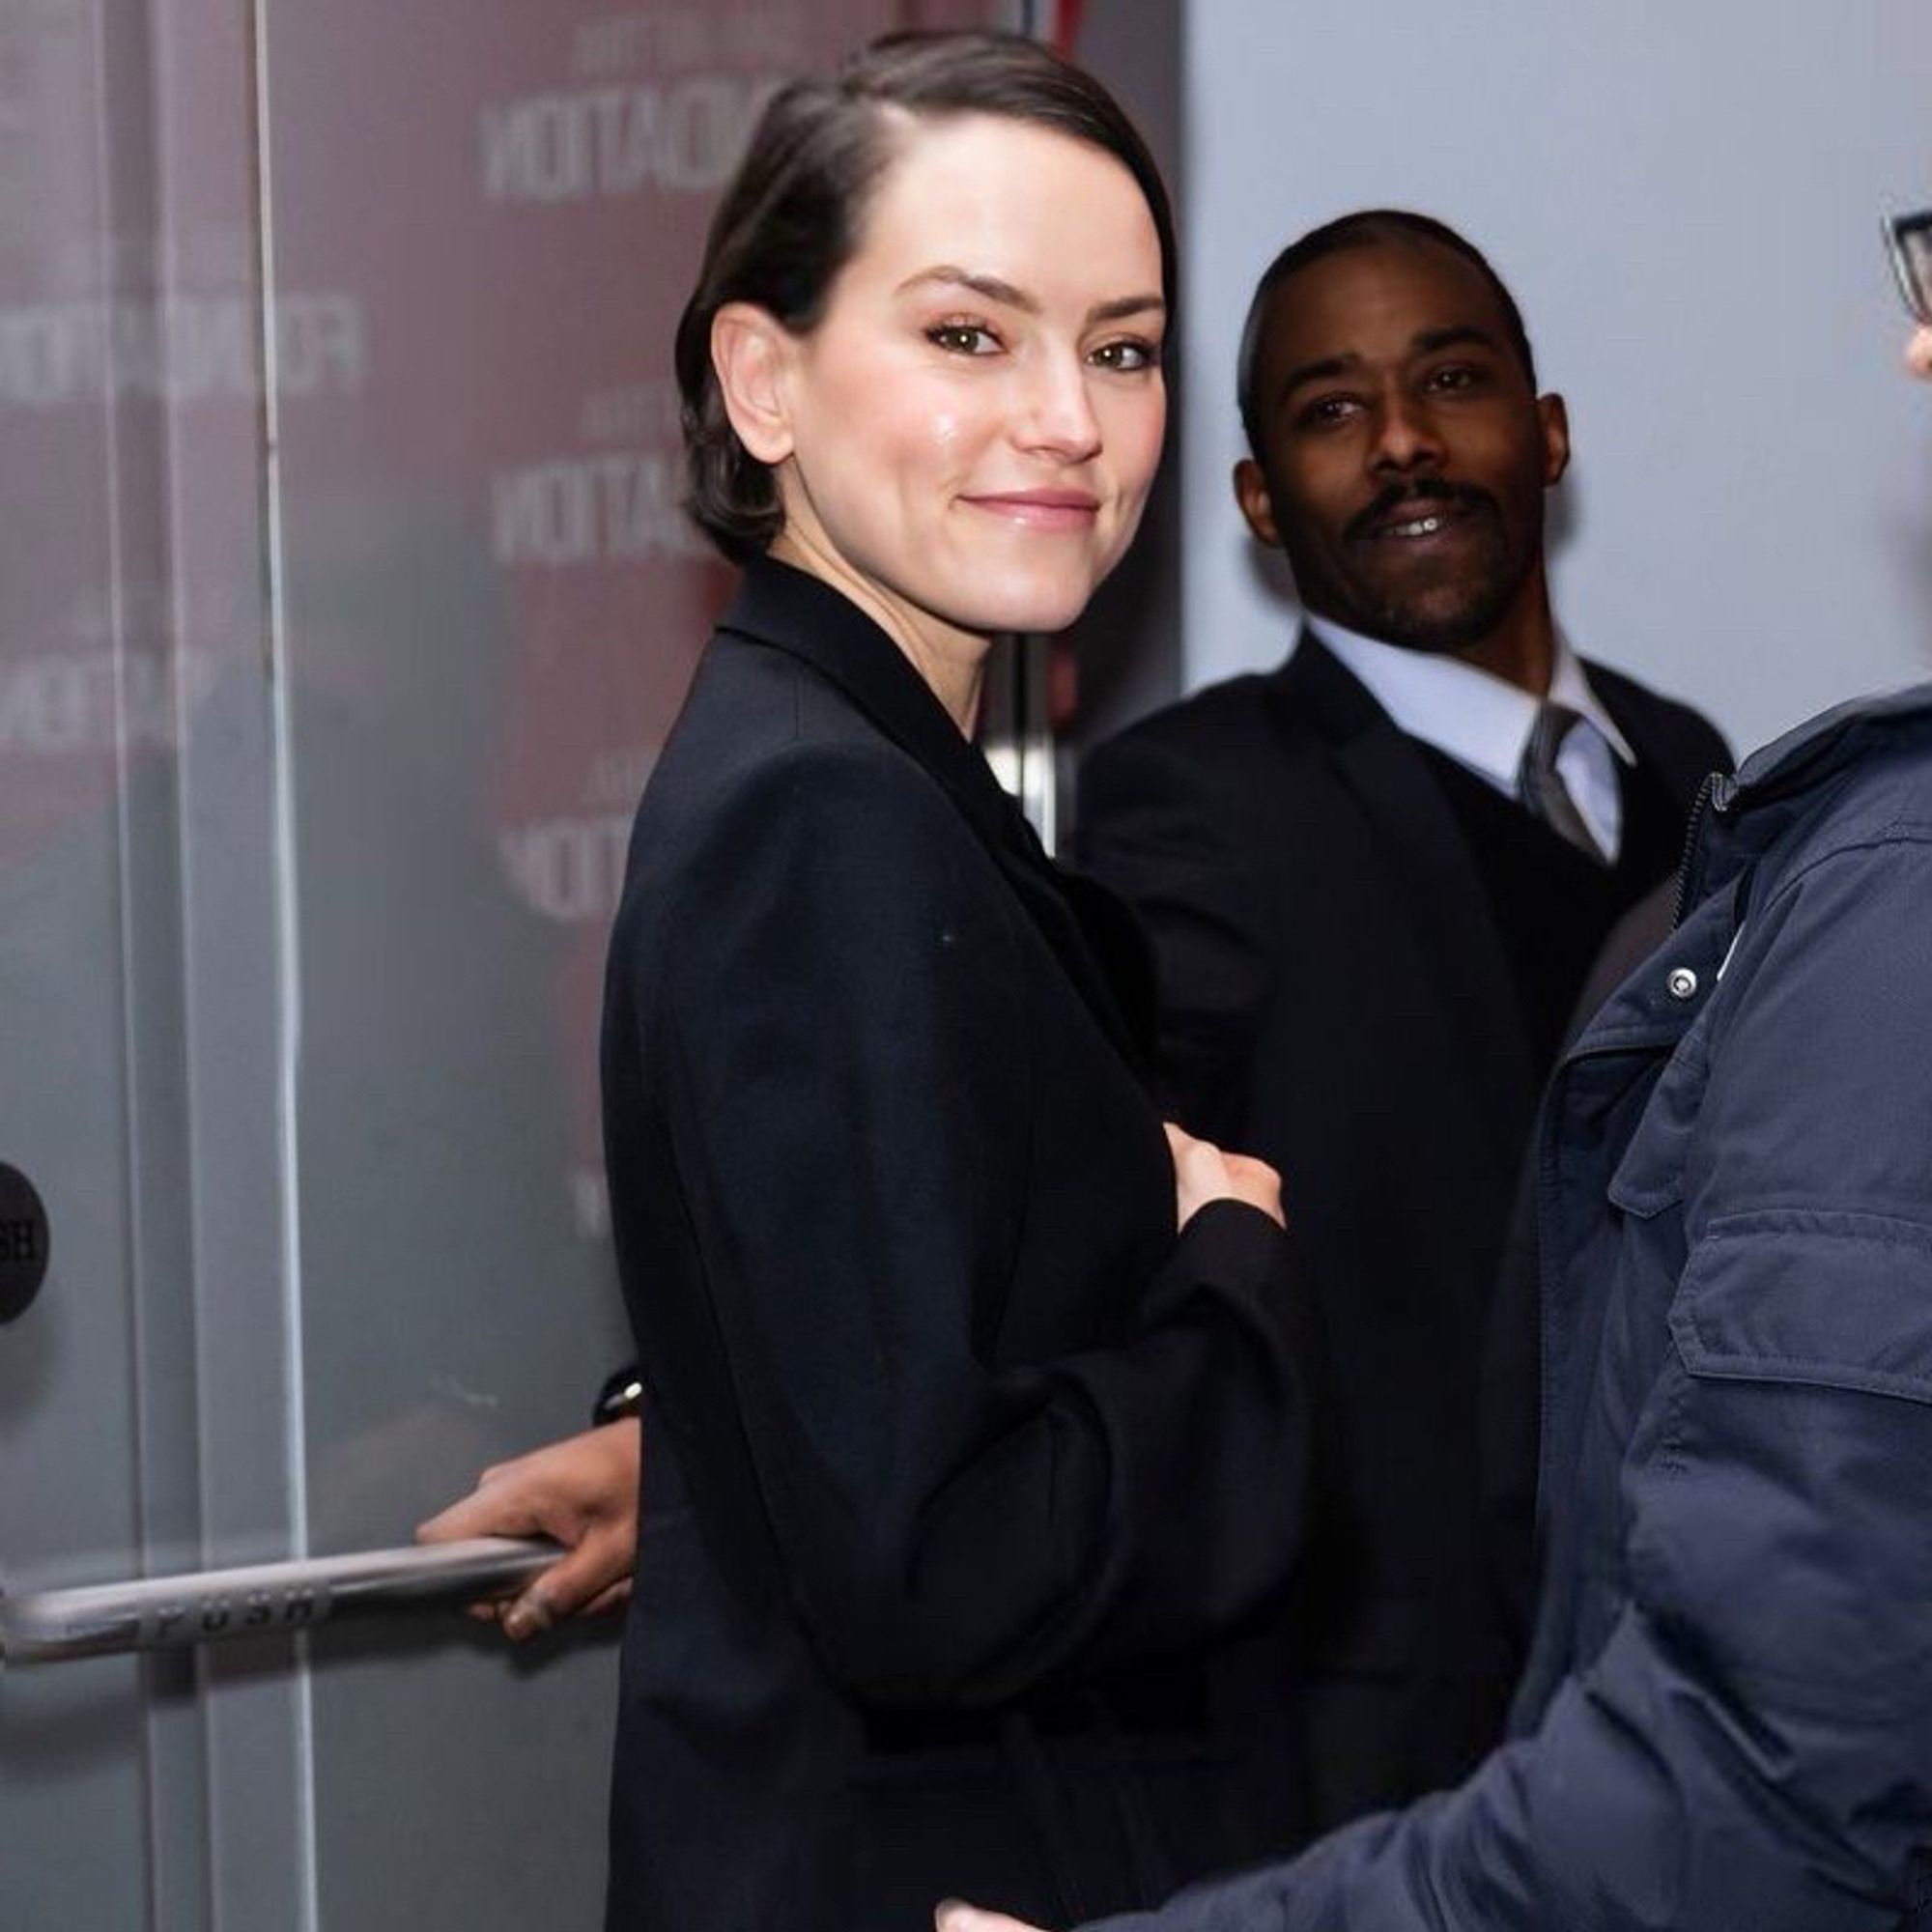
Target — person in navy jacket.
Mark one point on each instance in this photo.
(1727, 1721)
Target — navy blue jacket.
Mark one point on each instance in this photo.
(1726, 1722)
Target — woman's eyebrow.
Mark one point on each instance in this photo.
(1123, 306)
(990, 286)
(996, 290)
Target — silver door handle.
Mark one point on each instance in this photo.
(211, 1605)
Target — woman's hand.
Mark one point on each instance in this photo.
(581, 1492)
(1919, 352)
(1203, 1172)
(953, 1917)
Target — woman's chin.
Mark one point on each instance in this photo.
(1033, 604)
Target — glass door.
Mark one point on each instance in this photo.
(346, 602)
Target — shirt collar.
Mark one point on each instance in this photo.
(1474, 717)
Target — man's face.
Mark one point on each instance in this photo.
(1404, 453)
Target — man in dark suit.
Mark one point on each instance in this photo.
(1375, 879)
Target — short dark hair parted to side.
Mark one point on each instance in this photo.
(790, 218)
(1363, 229)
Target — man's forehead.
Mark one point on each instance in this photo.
(1400, 286)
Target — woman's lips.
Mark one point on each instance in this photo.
(1040, 509)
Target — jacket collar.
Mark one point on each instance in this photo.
(804, 616)
(1469, 713)
(1823, 745)
(1779, 781)
(1660, 750)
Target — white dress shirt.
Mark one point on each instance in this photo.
(1483, 722)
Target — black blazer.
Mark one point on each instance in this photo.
(1336, 997)
(960, 1463)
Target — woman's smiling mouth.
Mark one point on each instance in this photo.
(1041, 509)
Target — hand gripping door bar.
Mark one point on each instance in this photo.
(211, 1605)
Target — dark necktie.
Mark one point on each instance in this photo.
(1542, 785)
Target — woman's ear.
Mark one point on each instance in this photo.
(752, 352)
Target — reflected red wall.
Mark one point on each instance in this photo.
(481, 221)
(518, 206)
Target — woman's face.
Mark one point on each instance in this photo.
(975, 419)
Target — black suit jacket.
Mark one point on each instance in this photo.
(961, 1466)
(1336, 997)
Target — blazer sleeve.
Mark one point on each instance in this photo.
(1147, 827)
(839, 1029)
(1751, 1745)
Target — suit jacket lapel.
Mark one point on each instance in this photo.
(800, 614)
(1660, 749)
(1084, 924)
(1432, 867)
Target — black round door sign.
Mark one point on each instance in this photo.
(23, 1243)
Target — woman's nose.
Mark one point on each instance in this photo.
(1058, 411)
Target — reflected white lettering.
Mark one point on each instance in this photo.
(569, 869)
(619, 507)
(678, 39)
(66, 702)
(634, 412)
(681, 137)
(181, 349)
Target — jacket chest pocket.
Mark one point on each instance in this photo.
(1620, 1337)
(1649, 1177)
(1646, 1189)
(1808, 1298)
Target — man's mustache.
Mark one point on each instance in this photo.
(1423, 490)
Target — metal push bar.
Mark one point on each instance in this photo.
(211, 1605)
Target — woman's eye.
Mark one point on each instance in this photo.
(963, 338)
(1130, 352)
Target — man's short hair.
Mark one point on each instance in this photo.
(1361, 230)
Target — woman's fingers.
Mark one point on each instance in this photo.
(478, 1513)
(953, 1917)
(582, 1494)
(1255, 1183)
(1203, 1172)
(1200, 1173)
(579, 1578)
(612, 1597)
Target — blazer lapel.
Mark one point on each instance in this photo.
(1084, 924)
(798, 613)
(1676, 747)
(1432, 869)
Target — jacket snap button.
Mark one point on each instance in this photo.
(1683, 982)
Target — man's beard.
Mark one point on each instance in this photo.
(1442, 618)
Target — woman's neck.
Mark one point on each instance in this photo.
(951, 662)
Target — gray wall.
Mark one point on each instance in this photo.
(1688, 213)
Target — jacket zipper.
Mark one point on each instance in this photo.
(1715, 793)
